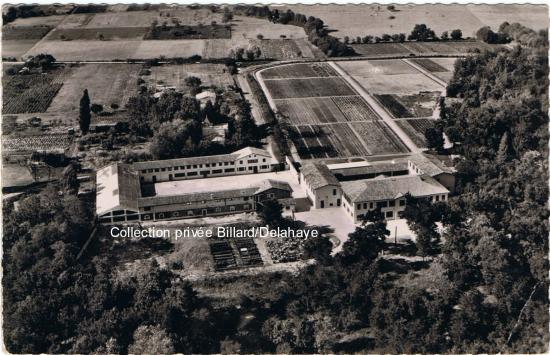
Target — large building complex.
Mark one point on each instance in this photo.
(358, 187)
(148, 191)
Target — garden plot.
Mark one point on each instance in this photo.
(277, 48)
(44, 142)
(169, 48)
(251, 27)
(429, 65)
(379, 138)
(310, 87)
(174, 75)
(355, 108)
(107, 84)
(416, 105)
(300, 70)
(32, 92)
(415, 129)
(310, 110)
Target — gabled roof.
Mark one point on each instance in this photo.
(269, 184)
(318, 175)
(430, 164)
(195, 197)
(117, 188)
(392, 188)
(205, 159)
(251, 150)
(375, 168)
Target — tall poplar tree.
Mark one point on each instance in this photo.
(85, 116)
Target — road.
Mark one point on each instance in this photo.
(386, 117)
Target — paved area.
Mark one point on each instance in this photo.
(180, 187)
(341, 223)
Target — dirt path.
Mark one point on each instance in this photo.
(377, 107)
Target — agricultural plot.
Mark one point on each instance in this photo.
(79, 50)
(310, 111)
(251, 27)
(107, 84)
(189, 32)
(381, 49)
(429, 65)
(277, 48)
(30, 93)
(310, 87)
(415, 129)
(379, 138)
(11, 145)
(355, 108)
(400, 84)
(13, 33)
(416, 105)
(174, 75)
(300, 70)
(16, 49)
(375, 20)
(90, 34)
(145, 18)
(372, 68)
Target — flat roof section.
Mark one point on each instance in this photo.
(181, 187)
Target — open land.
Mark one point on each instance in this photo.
(106, 83)
(374, 20)
(211, 75)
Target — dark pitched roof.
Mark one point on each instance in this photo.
(269, 184)
(318, 175)
(374, 168)
(195, 197)
(430, 164)
(392, 188)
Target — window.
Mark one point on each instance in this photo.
(132, 218)
(389, 214)
(192, 173)
(240, 162)
(216, 171)
(147, 208)
(160, 215)
(179, 175)
(263, 160)
(229, 170)
(157, 170)
(163, 169)
(207, 165)
(271, 195)
(382, 204)
(392, 203)
(194, 166)
(188, 166)
(252, 161)
(401, 202)
(442, 197)
(365, 206)
(225, 164)
(358, 206)
(242, 169)
(250, 168)
(437, 198)
(175, 214)
(245, 198)
(176, 168)
(333, 192)
(149, 170)
(246, 206)
(232, 208)
(371, 205)
(218, 209)
(220, 164)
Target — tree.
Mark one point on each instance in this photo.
(96, 108)
(367, 241)
(421, 217)
(456, 35)
(270, 212)
(422, 33)
(227, 15)
(175, 139)
(151, 340)
(193, 83)
(503, 154)
(319, 249)
(444, 36)
(85, 116)
(434, 138)
(70, 178)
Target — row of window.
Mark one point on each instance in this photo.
(198, 166)
(190, 213)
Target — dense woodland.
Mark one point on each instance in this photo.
(488, 285)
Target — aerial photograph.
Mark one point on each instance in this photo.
(275, 178)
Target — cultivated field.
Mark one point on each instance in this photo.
(374, 20)
(106, 34)
(106, 83)
(12, 145)
(393, 76)
(31, 93)
(308, 87)
(415, 129)
(17, 40)
(416, 105)
(300, 70)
